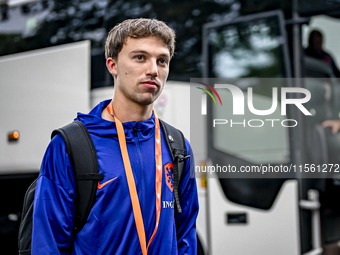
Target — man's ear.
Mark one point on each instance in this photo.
(111, 65)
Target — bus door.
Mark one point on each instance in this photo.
(248, 213)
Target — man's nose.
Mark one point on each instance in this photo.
(152, 68)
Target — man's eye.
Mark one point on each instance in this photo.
(139, 57)
(163, 61)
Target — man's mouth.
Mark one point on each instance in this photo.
(150, 84)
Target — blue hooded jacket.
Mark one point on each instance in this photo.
(110, 228)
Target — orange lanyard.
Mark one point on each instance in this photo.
(131, 181)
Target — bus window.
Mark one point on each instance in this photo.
(252, 46)
(253, 138)
(242, 49)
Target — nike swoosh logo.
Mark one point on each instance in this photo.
(100, 186)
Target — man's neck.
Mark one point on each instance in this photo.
(128, 111)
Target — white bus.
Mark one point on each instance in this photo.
(286, 215)
(294, 213)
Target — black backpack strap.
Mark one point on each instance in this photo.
(176, 144)
(84, 161)
(25, 229)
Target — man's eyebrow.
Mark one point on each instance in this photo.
(147, 53)
(139, 51)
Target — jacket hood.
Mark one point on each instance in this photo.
(99, 126)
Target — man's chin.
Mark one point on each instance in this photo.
(147, 99)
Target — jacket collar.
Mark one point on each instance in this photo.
(96, 124)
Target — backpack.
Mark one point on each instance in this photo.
(84, 161)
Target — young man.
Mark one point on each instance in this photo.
(138, 54)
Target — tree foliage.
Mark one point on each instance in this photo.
(59, 21)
